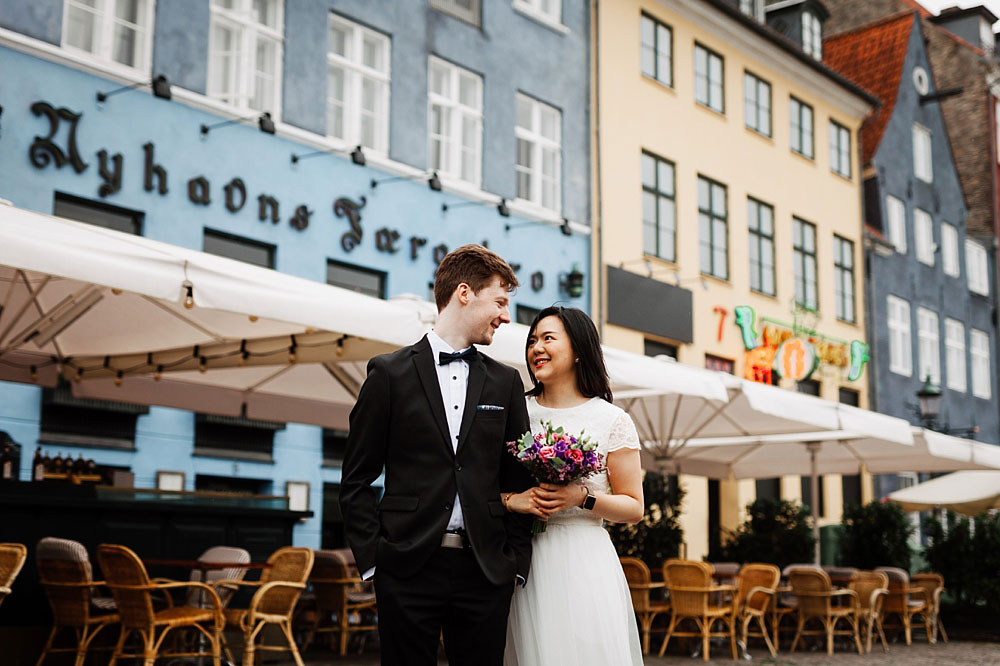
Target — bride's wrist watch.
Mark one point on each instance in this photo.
(588, 501)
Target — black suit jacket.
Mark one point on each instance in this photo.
(398, 424)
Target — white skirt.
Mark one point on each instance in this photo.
(576, 608)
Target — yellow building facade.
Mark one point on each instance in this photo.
(726, 169)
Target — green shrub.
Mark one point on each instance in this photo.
(968, 556)
(875, 535)
(658, 536)
(775, 531)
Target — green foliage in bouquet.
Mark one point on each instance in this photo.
(967, 554)
(658, 536)
(875, 535)
(775, 531)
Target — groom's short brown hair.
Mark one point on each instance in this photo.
(474, 265)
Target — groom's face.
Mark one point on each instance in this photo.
(486, 311)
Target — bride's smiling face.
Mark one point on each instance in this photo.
(550, 354)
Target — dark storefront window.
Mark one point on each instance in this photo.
(334, 446)
(362, 280)
(654, 348)
(849, 397)
(808, 386)
(229, 484)
(525, 314)
(769, 488)
(239, 248)
(807, 494)
(98, 213)
(75, 421)
(851, 486)
(234, 437)
(719, 363)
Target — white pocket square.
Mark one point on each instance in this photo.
(489, 408)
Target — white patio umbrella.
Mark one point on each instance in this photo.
(970, 492)
(90, 303)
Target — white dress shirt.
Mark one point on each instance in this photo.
(453, 380)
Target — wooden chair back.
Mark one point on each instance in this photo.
(637, 573)
(680, 575)
(12, 556)
(932, 582)
(865, 583)
(756, 575)
(898, 599)
(290, 565)
(218, 554)
(126, 575)
(330, 565)
(810, 582)
(65, 573)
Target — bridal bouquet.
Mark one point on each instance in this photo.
(554, 456)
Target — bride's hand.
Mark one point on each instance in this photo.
(553, 498)
(527, 502)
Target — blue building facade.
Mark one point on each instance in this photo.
(367, 139)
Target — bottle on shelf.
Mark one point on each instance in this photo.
(79, 465)
(37, 465)
(6, 463)
(58, 464)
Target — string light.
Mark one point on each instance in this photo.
(34, 374)
(244, 354)
(158, 375)
(202, 368)
(253, 319)
(292, 356)
(119, 378)
(189, 298)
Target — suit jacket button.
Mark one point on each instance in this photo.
(458, 468)
(447, 507)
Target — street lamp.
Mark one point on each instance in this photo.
(929, 397)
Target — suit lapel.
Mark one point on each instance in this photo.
(477, 378)
(423, 360)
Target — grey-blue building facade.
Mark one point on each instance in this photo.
(404, 225)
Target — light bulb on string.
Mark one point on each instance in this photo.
(202, 368)
(158, 375)
(34, 374)
(189, 298)
(79, 375)
(119, 378)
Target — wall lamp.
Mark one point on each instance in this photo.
(572, 282)
(434, 182)
(357, 155)
(264, 122)
(160, 84)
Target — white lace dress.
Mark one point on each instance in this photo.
(576, 608)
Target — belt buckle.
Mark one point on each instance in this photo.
(452, 540)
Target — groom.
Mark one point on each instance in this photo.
(435, 417)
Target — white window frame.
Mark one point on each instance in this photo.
(929, 344)
(754, 8)
(900, 343)
(538, 143)
(949, 250)
(663, 55)
(895, 216)
(535, 9)
(923, 232)
(812, 35)
(977, 267)
(243, 21)
(923, 158)
(457, 113)
(954, 346)
(472, 14)
(355, 74)
(104, 25)
(982, 372)
(840, 149)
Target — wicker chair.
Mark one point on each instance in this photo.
(215, 555)
(132, 590)
(640, 584)
(933, 585)
(691, 590)
(785, 604)
(756, 586)
(12, 556)
(815, 594)
(339, 593)
(906, 602)
(871, 587)
(65, 573)
(278, 590)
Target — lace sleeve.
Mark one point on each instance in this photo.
(623, 434)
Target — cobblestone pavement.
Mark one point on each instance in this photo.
(955, 652)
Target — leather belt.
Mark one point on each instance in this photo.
(454, 540)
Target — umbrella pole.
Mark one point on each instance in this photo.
(814, 485)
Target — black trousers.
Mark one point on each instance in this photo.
(450, 595)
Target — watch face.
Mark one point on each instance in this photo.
(588, 503)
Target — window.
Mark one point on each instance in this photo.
(719, 364)
(986, 39)
(804, 259)
(68, 420)
(929, 345)
(895, 212)
(843, 278)
(539, 153)
(849, 397)
(238, 248)
(659, 225)
(334, 447)
(900, 352)
(234, 437)
(949, 250)
(812, 35)
(979, 344)
(657, 50)
(357, 85)
(801, 115)
(655, 348)
(362, 280)
(923, 232)
(840, 149)
(98, 213)
(245, 46)
(708, 86)
(954, 351)
(768, 488)
(713, 228)
(922, 161)
(977, 267)
(469, 11)
(455, 119)
(760, 222)
(114, 31)
(754, 8)
(525, 314)
(808, 386)
(806, 487)
(757, 103)
(550, 10)
(233, 485)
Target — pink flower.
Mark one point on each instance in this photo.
(575, 454)
(546, 453)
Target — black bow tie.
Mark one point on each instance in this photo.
(467, 355)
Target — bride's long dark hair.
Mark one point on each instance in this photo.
(591, 373)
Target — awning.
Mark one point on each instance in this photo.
(970, 492)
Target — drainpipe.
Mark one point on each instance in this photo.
(597, 200)
(813, 448)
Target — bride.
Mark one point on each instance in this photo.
(576, 608)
